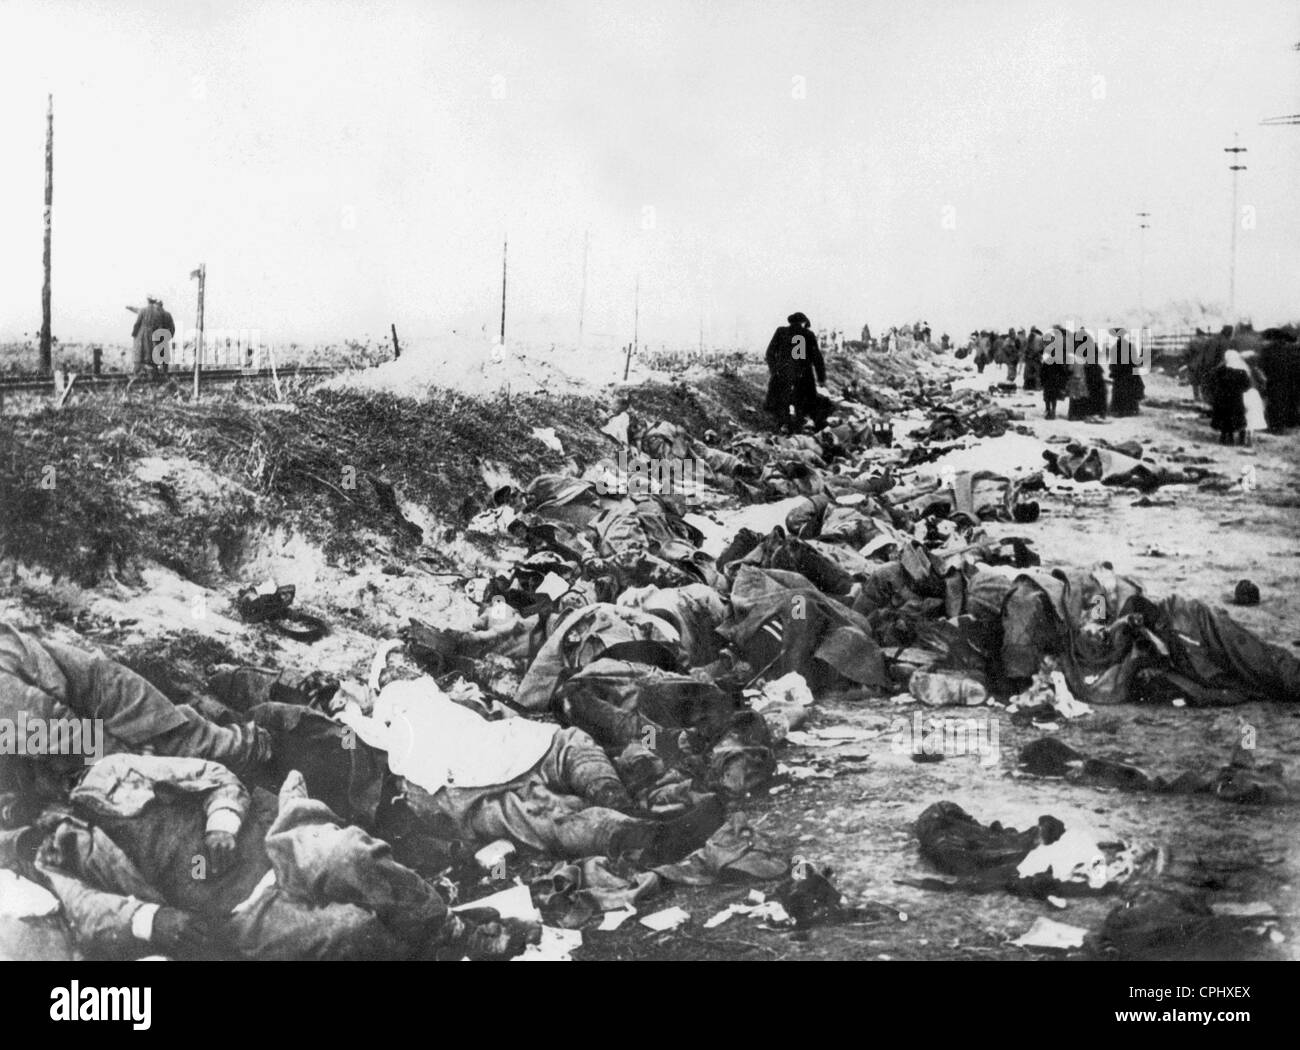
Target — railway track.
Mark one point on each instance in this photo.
(106, 380)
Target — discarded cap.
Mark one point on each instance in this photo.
(1245, 594)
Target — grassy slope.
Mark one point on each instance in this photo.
(99, 518)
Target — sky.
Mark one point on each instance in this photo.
(340, 166)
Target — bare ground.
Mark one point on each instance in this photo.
(859, 820)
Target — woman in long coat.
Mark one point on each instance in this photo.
(1127, 387)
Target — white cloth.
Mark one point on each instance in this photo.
(1251, 399)
(142, 922)
(435, 742)
(1254, 410)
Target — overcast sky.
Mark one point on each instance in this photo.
(342, 165)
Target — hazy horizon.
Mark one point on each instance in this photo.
(341, 166)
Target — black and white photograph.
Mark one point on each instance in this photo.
(699, 481)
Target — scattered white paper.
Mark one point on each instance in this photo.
(845, 733)
(617, 428)
(514, 903)
(1247, 910)
(546, 435)
(614, 919)
(668, 919)
(803, 772)
(770, 912)
(21, 898)
(556, 946)
(553, 586)
(1048, 933)
(802, 739)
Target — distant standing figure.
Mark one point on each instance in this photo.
(1128, 389)
(1256, 417)
(1011, 354)
(795, 370)
(152, 348)
(1279, 360)
(1227, 386)
(1087, 387)
(1055, 378)
(1033, 354)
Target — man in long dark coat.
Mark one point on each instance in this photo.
(795, 370)
(152, 332)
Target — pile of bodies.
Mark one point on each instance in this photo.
(599, 716)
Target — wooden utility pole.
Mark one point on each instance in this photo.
(201, 275)
(582, 301)
(505, 246)
(1234, 149)
(397, 347)
(47, 353)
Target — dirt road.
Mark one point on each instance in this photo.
(855, 808)
(860, 820)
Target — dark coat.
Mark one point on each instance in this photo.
(794, 371)
(1226, 388)
(1128, 389)
(1280, 363)
(1055, 377)
(150, 321)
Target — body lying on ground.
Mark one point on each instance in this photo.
(154, 854)
(47, 680)
(541, 787)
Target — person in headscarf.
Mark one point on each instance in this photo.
(1256, 417)
(1228, 387)
(795, 371)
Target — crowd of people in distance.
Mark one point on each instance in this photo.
(1067, 365)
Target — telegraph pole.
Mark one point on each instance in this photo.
(1143, 226)
(1290, 118)
(505, 246)
(200, 275)
(1232, 264)
(582, 301)
(47, 353)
